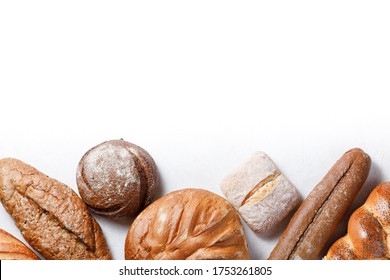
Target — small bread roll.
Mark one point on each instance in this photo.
(261, 194)
(12, 248)
(117, 178)
(189, 224)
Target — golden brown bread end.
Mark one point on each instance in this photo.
(12, 248)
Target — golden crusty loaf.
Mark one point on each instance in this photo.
(187, 224)
(12, 248)
(368, 234)
(320, 213)
(49, 214)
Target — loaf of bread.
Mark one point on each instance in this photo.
(49, 214)
(12, 248)
(260, 192)
(117, 178)
(320, 213)
(368, 234)
(189, 224)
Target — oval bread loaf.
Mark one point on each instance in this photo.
(49, 214)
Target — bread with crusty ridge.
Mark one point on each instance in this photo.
(320, 213)
(188, 224)
(260, 192)
(49, 214)
(117, 178)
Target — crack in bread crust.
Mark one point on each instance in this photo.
(260, 186)
(319, 211)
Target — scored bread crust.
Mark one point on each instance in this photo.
(117, 178)
(320, 213)
(12, 248)
(187, 224)
(260, 192)
(49, 214)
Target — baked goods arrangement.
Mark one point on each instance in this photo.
(119, 179)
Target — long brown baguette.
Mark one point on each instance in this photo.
(368, 234)
(12, 248)
(320, 213)
(49, 214)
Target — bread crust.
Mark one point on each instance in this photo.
(12, 248)
(368, 235)
(260, 193)
(117, 178)
(49, 214)
(187, 224)
(320, 213)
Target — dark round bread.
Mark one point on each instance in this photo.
(117, 178)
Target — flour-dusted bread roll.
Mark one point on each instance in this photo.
(189, 224)
(261, 194)
(368, 234)
(49, 214)
(117, 178)
(12, 248)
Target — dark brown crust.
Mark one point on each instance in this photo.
(321, 212)
(49, 214)
(127, 196)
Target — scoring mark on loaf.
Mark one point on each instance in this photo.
(263, 188)
(39, 213)
(187, 224)
(50, 215)
(109, 164)
(318, 213)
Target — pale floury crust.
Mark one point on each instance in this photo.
(261, 194)
(117, 178)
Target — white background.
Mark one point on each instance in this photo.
(200, 85)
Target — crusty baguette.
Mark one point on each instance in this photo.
(49, 214)
(12, 248)
(368, 234)
(320, 213)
